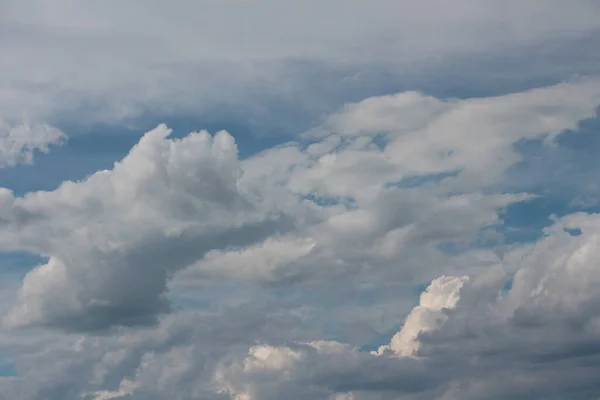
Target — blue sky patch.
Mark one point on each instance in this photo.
(7, 369)
(420, 180)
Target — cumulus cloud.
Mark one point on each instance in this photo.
(342, 206)
(440, 296)
(372, 214)
(370, 258)
(475, 338)
(345, 221)
(113, 239)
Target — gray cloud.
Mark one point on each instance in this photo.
(114, 239)
(304, 262)
(311, 233)
(190, 57)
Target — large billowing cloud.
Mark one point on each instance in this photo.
(311, 237)
(113, 239)
(382, 250)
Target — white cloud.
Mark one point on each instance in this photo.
(162, 207)
(439, 297)
(19, 143)
(172, 203)
(427, 135)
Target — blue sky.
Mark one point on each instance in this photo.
(314, 200)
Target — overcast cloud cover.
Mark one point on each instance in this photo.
(329, 200)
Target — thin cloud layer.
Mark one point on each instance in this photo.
(252, 55)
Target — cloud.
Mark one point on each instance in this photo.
(428, 135)
(251, 56)
(478, 340)
(309, 212)
(369, 258)
(113, 239)
(442, 295)
(373, 216)
(312, 239)
(19, 143)
(474, 339)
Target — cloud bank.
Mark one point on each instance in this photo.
(274, 255)
(252, 57)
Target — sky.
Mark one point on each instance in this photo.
(309, 200)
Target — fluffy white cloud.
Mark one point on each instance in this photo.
(442, 295)
(428, 135)
(372, 214)
(113, 240)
